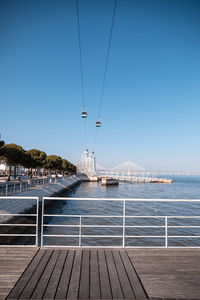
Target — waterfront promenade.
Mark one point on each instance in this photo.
(99, 273)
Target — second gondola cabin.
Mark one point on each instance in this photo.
(98, 124)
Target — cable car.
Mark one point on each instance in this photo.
(84, 114)
(98, 124)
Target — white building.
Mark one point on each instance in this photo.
(87, 164)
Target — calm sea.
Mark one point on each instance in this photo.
(183, 187)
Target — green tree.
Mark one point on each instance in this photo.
(13, 156)
(53, 163)
(36, 159)
(65, 166)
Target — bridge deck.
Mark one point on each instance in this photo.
(110, 274)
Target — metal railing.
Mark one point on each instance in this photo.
(7, 216)
(124, 217)
(13, 188)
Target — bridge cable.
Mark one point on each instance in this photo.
(81, 67)
(106, 66)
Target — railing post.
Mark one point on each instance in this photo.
(6, 189)
(124, 223)
(80, 224)
(42, 221)
(166, 233)
(20, 187)
(37, 221)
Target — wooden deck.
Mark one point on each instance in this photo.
(110, 274)
(13, 262)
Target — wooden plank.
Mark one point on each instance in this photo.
(75, 276)
(54, 281)
(19, 287)
(104, 277)
(84, 290)
(65, 277)
(32, 283)
(44, 279)
(95, 292)
(133, 278)
(114, 279)
(124, 280)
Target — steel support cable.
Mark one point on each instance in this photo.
(81, 67)
(106, 66)
(107, 58)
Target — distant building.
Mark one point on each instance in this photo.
(87, 164)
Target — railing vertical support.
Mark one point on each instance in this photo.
(42, 221)
(124, 223)
(166, 233)
(37, 221)
(6, 190)
(80, 225)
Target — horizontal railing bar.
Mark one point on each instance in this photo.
(170, 217)
(63, 246)
(85, 226)
(12, 234)
(83, 216)
(114, 216)
(22, 215)
(145, 236)
(162, 236)
(120, 236)
(120, 247)
(185, 226)
(183, 236)
(19, 197)
(75, 235)
(25, 225)
(121, 200)
(107, 226)
(16, 246)
(144, 226)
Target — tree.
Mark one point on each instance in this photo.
(13, 155)
(36, 159)
(53, 162)
(65, 166)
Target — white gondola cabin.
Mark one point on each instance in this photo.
(84, 114)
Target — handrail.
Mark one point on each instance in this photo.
(8, 214)
(123, 216)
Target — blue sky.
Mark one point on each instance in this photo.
(151, 104)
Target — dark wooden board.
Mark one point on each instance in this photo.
(133, 277)
(104, 277)
(95, 292)
(55, 278)
(75, 276)
(84, 287)
(44, 279)
(124, 280)
(66, 275)
(114, 279)
(36, 275)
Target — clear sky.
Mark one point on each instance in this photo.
(151, 104)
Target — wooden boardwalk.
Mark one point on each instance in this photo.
(13, 262)
(110, 274)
